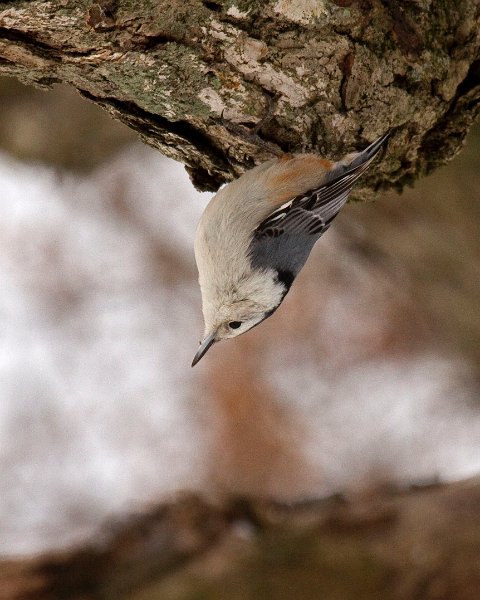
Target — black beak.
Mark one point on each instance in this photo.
(204, 346)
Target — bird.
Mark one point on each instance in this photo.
(257, 232)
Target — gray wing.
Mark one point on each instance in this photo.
(285, 238)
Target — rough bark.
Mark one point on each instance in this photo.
(222, 85)
(420, 543)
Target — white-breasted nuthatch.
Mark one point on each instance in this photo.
(257, 232)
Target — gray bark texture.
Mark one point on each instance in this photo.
(417, 544)
(222, 85)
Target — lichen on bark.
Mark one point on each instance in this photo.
(223, 85)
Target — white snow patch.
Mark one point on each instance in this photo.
(97, 406)
(391, 420)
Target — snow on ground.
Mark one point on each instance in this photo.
(412, 419)
(96, 399)
(100, 411)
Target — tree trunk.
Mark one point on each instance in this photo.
(222, 85)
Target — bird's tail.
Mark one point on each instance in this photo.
(352, 166)
(368, 154)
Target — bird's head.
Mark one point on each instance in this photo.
(245, 303)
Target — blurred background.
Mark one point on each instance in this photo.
(369, 373)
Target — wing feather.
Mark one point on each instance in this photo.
(302, 213)
(285, 238)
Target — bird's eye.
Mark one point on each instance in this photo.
(234, 324)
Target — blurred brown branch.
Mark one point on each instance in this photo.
(399, 545)
(221, 86)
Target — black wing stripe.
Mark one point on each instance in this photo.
(313, 211)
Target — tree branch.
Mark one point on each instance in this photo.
(401, 545)
(197, 79)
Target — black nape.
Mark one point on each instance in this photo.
(286, 277)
